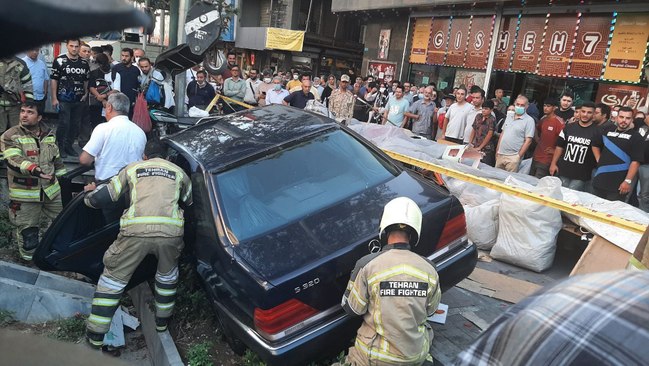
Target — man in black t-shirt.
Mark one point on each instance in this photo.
(565, 111)
(574, 159)
(622, 152)
(129, 76)
(299, 98)
(69, 85)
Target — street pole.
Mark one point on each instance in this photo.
(144, 35)
(492, 49)
(181, 81)
(173, 23)
(403, 56)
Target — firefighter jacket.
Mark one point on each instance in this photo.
(15, 82)
(25, 152)
(155, 187)
(394, 290)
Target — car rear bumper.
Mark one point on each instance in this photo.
(338, 331)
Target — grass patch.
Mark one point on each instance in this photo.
(191, 302)
(251, 359)
(71, 329)
(6, 318)
(5, 228)
(199, 355)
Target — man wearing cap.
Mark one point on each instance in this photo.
(341, 101)
(547, 132)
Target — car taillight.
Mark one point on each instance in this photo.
(283, 316)
(454, 229)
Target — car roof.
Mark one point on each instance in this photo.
(218, 142)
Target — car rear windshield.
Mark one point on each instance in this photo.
(285, 186)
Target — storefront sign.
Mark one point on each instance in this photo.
(438, 41)
(457, 43)
(628, 48)
(557, 45)
(528, 44)
(420, 40)
(620, 94)
(590, 46)
(381, 70)
(479, 43)
(384, 44)
(469, 78)
(284, 39)
(505, 43)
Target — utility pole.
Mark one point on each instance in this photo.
(173, 23)
(181, 81)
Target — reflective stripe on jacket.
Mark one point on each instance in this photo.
(25, 152)
(155, 187)
(395, 291)
(16, 79)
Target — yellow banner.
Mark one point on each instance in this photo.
(628, 48)
(420, 40)
(284, 39)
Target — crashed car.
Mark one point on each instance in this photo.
(285, 202)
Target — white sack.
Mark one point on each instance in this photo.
(527, 231)
(482, 224)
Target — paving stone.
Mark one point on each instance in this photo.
(64, 284)
(18, 273)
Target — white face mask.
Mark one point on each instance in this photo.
(510, 114)
(267, 80)
(382, 90)
(295, 76)
(137, 59)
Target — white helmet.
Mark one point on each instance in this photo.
(404, 212)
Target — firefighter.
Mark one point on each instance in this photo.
(394, 290)
(34, 164)
(15, 87)
(153, 224)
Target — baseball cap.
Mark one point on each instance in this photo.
(344, 78)
(449, 96)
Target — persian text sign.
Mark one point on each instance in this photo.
(438, 41)
(479, 43)
(420, 40)
(620, 94)
(284, 39)
(590, 46)
(528, 44)
(505, 43)
(628, 48)
(557, 45)
(457, 42)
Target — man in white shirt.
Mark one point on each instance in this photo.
(277, 94)
(455, 118)
(252, 88)
(116, 143)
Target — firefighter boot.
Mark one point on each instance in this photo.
(29, 243)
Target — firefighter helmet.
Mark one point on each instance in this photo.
(401, 213)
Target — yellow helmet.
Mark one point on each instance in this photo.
(405, 213)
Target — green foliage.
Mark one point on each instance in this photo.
(192, 303)
(6, 318)
(251, 359)
(71, 329)
(5, 228)
(199, 355)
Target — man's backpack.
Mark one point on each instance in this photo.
(153, 94)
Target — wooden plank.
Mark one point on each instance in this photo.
(503, 287)
(601, 256)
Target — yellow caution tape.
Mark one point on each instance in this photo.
(216, 99)
(519, 192)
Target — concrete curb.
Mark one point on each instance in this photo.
(35, 296)
(162, 349)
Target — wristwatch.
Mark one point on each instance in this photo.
(628, 181)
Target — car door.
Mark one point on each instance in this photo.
(77, 240)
